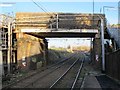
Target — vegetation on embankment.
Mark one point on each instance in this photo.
(57, 54)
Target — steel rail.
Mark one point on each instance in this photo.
(77, 76)
(41, 70)
(49, 72)
(63, 74)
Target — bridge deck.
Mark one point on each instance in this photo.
(57, 20)
(59, 24)
(63, 34)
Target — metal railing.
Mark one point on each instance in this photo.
(3, 39)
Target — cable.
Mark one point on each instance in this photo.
(44, 7)
(40, 7)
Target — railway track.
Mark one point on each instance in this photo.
(49, 78)
(36, 74)
(64, 82)
(76, 81)
(38, 71)
(51, 74)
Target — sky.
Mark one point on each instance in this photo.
(65, 42)
(73, 7)
(67, 7)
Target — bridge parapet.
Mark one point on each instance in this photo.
(57, 21)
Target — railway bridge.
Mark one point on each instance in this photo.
(42, 25)
(30, 30)
(24, 40)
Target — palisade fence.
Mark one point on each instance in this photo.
(113, 64)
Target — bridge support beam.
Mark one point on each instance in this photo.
(99, 49)
(96, 58)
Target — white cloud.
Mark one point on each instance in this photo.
(5, 5)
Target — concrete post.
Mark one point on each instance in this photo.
(57, 22)
(102, 43)
(91, 48)
(9, 47)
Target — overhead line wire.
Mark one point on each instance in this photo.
(43, 9)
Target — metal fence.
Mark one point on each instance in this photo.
(4, 19)
(113, 65)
